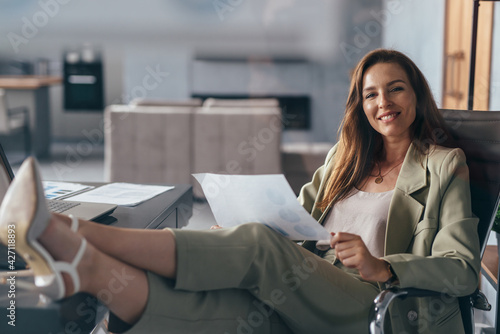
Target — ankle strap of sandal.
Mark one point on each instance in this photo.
(71, 269)
(74, 223)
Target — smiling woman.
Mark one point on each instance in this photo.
(390, 106)
(413, 228)
(389, 102)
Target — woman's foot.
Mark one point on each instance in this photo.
(62, 261)
(64, 245)
(24, 218)
(69, 221)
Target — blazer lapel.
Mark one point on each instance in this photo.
(404, 210)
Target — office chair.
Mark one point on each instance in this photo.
(477, 133)
(14, 120)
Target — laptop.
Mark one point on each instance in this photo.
(83, 210)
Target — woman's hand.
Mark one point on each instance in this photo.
(352, 252)
(215, 227)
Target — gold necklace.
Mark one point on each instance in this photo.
(380, 178)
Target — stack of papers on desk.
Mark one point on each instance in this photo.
(125, 194)
(266, 199)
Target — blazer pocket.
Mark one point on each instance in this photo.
(424, 236)
(449, 317)
(426, 224)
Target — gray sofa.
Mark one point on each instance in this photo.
(166, 144)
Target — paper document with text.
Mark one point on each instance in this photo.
(266, 199)
(121, 193)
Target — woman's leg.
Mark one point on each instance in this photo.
(149, 301)
(309, 293)
(306, 291)
(152, 250)
(121, 287)
(227, 311)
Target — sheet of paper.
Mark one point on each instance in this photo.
(126, 194)
(266, 199)
(55, 190)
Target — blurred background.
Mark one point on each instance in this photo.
(78, 57)
(236, 48)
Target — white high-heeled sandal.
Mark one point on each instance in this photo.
(24, 213)
(61, 266)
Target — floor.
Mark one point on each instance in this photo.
(73, 163)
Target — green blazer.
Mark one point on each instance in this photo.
(431, 236)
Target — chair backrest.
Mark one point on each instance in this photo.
(477, 133)
(4, 117)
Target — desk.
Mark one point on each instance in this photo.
(37, 101)
(81, 312)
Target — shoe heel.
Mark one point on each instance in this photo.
(24, 207)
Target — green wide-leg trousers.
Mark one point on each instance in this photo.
(250, 279)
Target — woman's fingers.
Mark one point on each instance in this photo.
(352, 261)
(352, 252)
(347, 245)
(341, 237)
(344, 254)
(350, 249)
(215, 227)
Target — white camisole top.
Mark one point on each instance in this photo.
(364, 214)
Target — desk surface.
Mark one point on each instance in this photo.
(151, 214)
(28, 81)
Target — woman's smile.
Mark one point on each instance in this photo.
(389, 101)
(389, 116)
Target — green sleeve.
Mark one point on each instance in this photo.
(454, 263)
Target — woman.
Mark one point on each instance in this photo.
(396, 203)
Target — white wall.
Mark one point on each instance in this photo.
(495, 62)
(167, 35)
(416, 27)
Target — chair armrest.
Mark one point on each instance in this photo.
(479, 301)
(385, 298)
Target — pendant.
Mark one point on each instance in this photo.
(379, 180)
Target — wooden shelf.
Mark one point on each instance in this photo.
(28, 81)
(489, 265)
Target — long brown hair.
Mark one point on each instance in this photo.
(360, 145)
